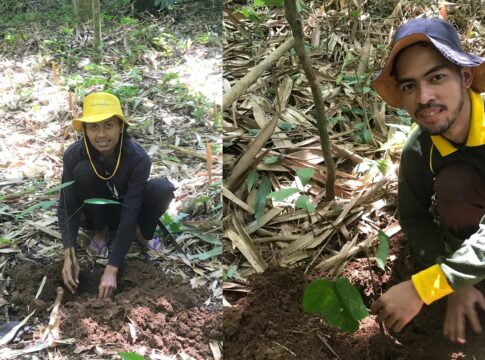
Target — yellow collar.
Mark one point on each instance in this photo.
(476, 135)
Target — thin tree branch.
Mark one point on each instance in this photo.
(294, 20)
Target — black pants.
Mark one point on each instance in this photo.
(157, 195)
(460, 197)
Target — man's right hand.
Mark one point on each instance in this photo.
(461, 306)
(71, 280)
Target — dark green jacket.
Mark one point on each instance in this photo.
(463, 264)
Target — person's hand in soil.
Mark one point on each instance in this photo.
(70, 270)
(461, 306)
(398, 306)
(107, 285)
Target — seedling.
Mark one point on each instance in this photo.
(130, 356)
(338, 301)
(303, 201)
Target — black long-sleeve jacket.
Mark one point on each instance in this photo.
(129, 180)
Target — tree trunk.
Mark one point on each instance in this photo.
(98, 45)
(294, 20)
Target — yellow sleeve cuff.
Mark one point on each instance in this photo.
(431, 284)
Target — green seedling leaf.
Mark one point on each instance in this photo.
(58, 187)
(330, 299)
(231, 272)
(172, 225)
(303, 202)
(367, 136)
(208, 254)
(263, 191)
(44, 205)
(351, 298)
(282, 194)
(305, 174)
(4, 240)
(383, 166)
(259, 3)
(272, 160)
(252, 178)
(130, 356)
(285, 125)
(382, 249)
(101, 201)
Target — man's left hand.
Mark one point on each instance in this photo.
(461, 304)
(107, 285)
(398, 306)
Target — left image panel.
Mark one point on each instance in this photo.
(110, 179)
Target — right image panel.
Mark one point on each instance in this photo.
(354, 180)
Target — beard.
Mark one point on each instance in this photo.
(439, 129)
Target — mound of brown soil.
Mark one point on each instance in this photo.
(164, 312)
(269, 323)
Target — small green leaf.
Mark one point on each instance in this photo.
(4, 240)
(101, 201)
(130, 356)
(272, 160)
(44, 205)
(283, 125)
(367, 136)
(259, 3)
(305, 174)
(382, 249)
(208, 254)
(303, 202)
(282, 194)
(252, 178)
(58, 187)
(263, 191)
(383, 166)
(231, 272)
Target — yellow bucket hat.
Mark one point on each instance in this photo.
(99, 107)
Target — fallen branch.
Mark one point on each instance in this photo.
(255, 73)
(186, 151)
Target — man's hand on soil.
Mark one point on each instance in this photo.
(70, 280)
(398, 306)
(107, 285)
(461, 304)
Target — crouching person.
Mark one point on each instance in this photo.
(107, 163)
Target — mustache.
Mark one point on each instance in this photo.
(428, 105)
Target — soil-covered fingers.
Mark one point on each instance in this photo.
(69, 281)
(107, 285)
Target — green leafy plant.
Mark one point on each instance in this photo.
(338, 301)
(130, 356)
(303, 201)
(382, 250)
(229, 272)
(264, 190)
